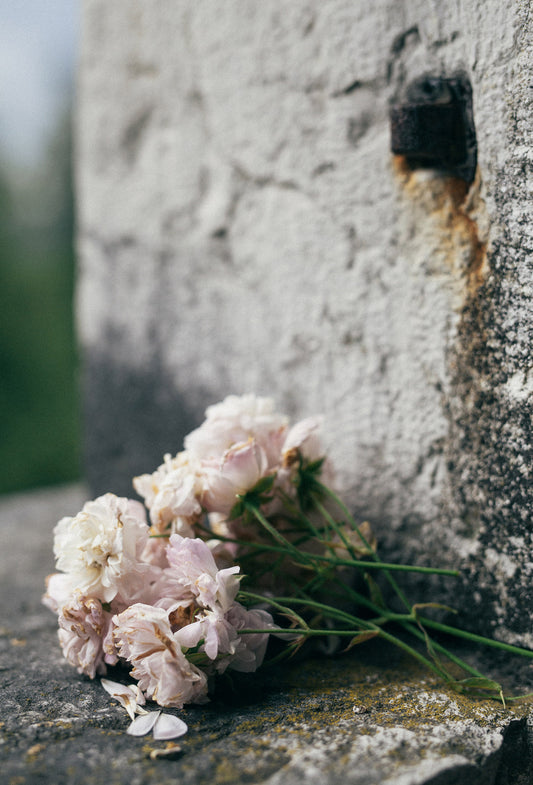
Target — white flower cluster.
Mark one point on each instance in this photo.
(162, 597)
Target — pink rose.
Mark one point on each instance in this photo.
(237, 419)
(83, 624)
(143, 636)
(241, 468)
(193, 573)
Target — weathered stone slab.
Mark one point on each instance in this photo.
(357, 720)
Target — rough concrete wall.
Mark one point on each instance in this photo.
(244, 227)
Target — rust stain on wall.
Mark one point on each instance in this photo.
(455, 214)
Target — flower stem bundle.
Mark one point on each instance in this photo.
(246, 539)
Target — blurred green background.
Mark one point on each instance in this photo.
(39, 401)
(39, 408)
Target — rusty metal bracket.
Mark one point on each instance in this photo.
(433, 126)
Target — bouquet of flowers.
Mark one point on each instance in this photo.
(246, 538)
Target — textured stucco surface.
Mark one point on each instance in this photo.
(367, 718)
(244, 227)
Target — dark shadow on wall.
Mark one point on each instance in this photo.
(133, 416)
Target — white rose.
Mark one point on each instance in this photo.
(100, 548)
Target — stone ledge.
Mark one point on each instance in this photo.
(366, 718)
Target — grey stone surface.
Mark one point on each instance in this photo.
(244, 227)
(360, 720)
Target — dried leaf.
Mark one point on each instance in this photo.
(361, 638)
(172, 751)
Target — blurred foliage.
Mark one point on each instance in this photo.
(39, 410)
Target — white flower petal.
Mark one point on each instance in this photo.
(114, 688)
(169, 727)
(129, 697)
(143, 724)
(139, 695)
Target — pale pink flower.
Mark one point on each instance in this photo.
(155, 552)
(305, 438)
(109, 648)
(172, 494)
(235, 420)
(148, 485)
(60, 589)
(241, 468)
(193, 574)
(83, 624)
(101, 547)
(220, 639)
(144, 638)
(251, 648)
(217, 634)
(303, 442)
(224, 553)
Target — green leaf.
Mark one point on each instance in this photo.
(375, 592)
(254, 497)
(475, 683)
(264, 484)
(480, 683)
(237, 510)
(307, 482)
(315, 467)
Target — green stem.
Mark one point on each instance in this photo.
(299, 556)
(335, 526)
(405, 621)
(385, 566)
(413, 653)
(304, 558)
(246, 595)
(360, 598)
(333, 496)
(471, 636)
(308, 632)
(328, 610)
(389, 617)
(442, 650)
(310, 525)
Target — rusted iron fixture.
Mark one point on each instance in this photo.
(433, 125)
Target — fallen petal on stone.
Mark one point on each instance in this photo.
(129, 697)
(114, 688)
(143, 724)
(139, 695)
(169, 727)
